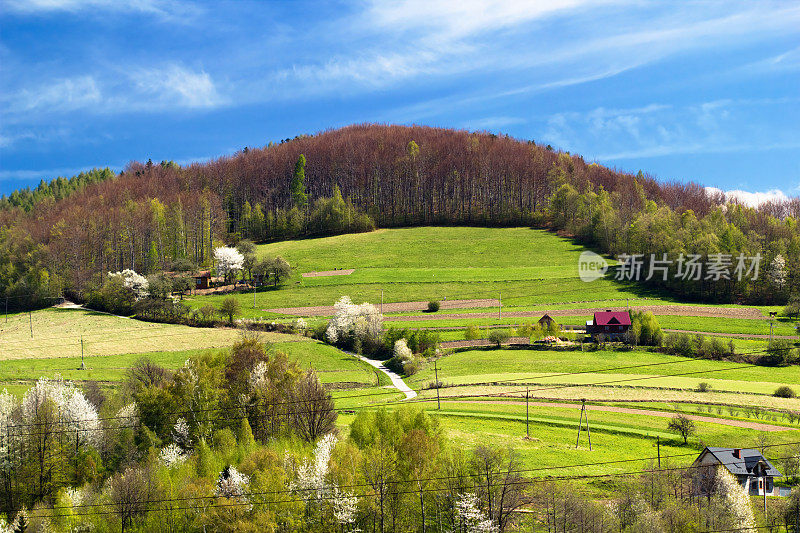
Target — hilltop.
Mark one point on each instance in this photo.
(358, 177)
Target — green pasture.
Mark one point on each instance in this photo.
(433, 263)
(511, 364)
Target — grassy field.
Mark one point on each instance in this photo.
(432, 263)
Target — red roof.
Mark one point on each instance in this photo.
(612, 318)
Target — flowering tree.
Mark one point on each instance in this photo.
(470, 515)
(75, 413)
(354, 326)
(232, 484)
(132, 281)
(228, 261)
(737, 501)
(311, 483)
(172, 455)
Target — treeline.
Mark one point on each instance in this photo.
(354, 178)
(707, 255)
(54, 190)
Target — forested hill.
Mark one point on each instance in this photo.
(153, 214)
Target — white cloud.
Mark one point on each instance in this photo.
(752, 199)
(175, 84)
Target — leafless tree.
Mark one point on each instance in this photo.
(314, 414)
(499, 483)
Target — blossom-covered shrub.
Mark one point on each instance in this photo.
(471, 517)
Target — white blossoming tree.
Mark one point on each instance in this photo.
(354, 326)
(737, 501)
(75, 413)
(172, 455)
(311, 484)
(471, 517)
(134, 282)
(232, 484)
(228, 261)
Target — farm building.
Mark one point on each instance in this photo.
(202, 279)
(611, 324)
(547, 321)
(750, 467)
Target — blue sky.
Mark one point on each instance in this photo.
(696, 90)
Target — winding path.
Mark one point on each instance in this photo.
(397, 381)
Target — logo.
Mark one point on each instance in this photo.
(591, 266)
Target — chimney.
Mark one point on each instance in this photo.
(737, 452)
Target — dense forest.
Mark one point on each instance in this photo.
(352, 178)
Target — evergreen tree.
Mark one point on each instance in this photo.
(298, 185)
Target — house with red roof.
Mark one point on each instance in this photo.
(612, 325)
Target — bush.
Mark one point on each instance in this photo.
(472, 332)
(230, 307)
(499, 335)
(784, 391)
(703, 386)
(433, 306)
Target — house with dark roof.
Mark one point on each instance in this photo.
(547, 321)
(754, 471)
(611, 325)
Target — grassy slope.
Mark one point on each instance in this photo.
(431, 263)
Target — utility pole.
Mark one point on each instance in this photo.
(6, 309)
(381, 301)
(436, 373)
(527, 415)
(254, 294)
(83, 367)
(500, 308)
(30, 321)
(580, 424)
(658, 447)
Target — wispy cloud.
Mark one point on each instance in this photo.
(658, 130)
(150, 89)
(171, 9)
(178, 85)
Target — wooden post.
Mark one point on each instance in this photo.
(30, 321)
(436, 373)
(254, 293)
(500, 308)
(6, 309)
(83, 367)
(527, 414)
(589, 433)
(381, 301)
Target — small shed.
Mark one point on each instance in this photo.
(202, 279)
(547, 321)
(753, 471)
(612, 324)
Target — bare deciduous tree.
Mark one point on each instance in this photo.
(314, 412)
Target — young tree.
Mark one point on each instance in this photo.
(683, 426)
(230, 307)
